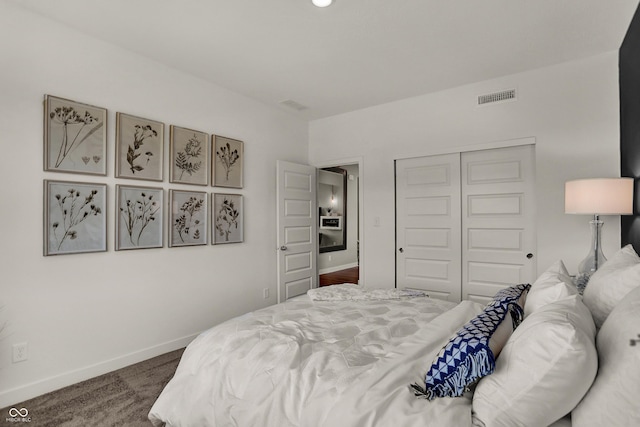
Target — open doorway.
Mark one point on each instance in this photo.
(338, 198)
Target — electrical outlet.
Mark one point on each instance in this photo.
(329, 258)
(265, 293)
(20, 352)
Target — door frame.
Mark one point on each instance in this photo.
(345, 162)
(530, 140)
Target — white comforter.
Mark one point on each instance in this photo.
(317, 363)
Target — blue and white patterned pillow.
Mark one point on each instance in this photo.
(467, 356)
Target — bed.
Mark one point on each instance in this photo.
(344, 356)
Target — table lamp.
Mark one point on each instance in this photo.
(597, 196)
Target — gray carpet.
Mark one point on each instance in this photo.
(120, 398)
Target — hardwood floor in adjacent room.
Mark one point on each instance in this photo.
(350, 275)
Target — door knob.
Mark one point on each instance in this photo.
(283, 248)
(529, 255)
(401, 250)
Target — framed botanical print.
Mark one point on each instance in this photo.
(139, 148)
(140, 217)
(75, 219)
(228, 215)
(227, 162)
(189, 156)
(188, 218)
(75, 137)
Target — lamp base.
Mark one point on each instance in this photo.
(595, 258)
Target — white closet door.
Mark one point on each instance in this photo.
(428, 225)
(498, 229)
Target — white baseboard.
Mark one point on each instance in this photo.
(38, 388)
(337, 268)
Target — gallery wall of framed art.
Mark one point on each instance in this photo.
(169, 214)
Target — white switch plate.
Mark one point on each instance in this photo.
(265, 293)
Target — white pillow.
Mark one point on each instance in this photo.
(552, 285)
(544, 370)
(614, 397)
(611, 282)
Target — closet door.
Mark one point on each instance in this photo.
(498, 229)
(428, 252)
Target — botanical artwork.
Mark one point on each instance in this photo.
(228, 218)
(228, 159)
(189, 156)
(139, 148)
(188, 222)
(74, 217)
(75, 136)
(139, 223)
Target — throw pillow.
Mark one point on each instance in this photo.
(470, 354)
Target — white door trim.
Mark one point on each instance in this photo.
(531, 140)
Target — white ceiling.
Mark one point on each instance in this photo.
(355, 53)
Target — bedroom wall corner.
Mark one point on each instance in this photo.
(86, 314)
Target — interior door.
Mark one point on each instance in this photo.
(428, 253)
(297, 229)
(498, 214)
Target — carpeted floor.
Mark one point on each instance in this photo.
(120, 398)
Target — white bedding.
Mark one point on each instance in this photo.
(351, 292)
(317, 363)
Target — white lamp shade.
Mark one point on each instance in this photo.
(599, 196)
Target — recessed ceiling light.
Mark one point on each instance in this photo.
(322, 3)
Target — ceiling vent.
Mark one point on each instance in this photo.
(505, 95)
(294, 105)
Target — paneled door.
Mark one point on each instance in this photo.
(297, 230)
(428, 252)
(498, 214)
